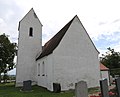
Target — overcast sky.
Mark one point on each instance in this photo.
(101, 18)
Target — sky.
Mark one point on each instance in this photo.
(101, 18)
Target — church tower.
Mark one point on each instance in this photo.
(29, 45)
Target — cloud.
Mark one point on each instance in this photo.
(10, 14)
(3, 26)
(117, 20)
(99, 18)
(102, 23)
(110, 40)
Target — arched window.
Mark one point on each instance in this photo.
(31, 31)
(43, 69)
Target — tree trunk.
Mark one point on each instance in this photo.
(0, 77)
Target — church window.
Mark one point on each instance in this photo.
(39, 69)
(43, 69)
(31, 31)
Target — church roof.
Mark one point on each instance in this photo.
(54, 41)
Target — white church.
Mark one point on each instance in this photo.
(67, 58)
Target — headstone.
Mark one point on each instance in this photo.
(117, 81)
(81, 89)
(56, 88)
(27, 85)
(104, 88)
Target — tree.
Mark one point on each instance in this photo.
(7, 53)
(111, 60)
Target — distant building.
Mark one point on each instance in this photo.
(104, 72)
(68, 57)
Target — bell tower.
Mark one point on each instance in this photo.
(29, 45)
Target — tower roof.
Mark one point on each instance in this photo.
(31, 10)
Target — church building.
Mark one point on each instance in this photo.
(67, 58)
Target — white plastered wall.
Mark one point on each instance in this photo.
(47, 80)
(76, 59)
(28, 48)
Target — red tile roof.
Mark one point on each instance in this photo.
(103, 68)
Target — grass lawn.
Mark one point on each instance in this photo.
(93, 90)
(9, 90)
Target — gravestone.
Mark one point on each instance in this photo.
(27, 85)
(81, 89)
(117, 82)
(104, 88)
(56, 88)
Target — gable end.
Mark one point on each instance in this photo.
(26, 15)
(54, 41)
(88, 35)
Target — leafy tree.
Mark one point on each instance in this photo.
(111, 60)
(7, 53)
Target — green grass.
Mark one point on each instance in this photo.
(93, 90)
(9, 90)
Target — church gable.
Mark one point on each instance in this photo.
(50, 46)
(76, 57)
(76, 40)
